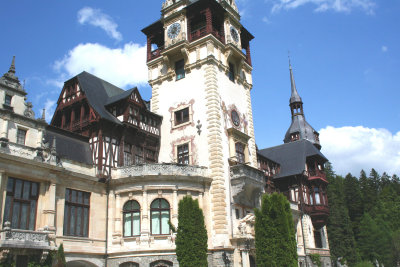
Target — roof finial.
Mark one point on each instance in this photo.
(295, 95)
(12, 67)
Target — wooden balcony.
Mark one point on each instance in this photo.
(155, 53)
(197, 34)
(317, 175)
(319, 214)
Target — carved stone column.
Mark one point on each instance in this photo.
(245, 258)
(201, 194)
(117, 225)
(50, 211)
(4, 130)
(175, 207)
(145, 213)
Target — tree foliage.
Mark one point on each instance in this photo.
(372, 204)
(341, 238)
(191, 238)
(274, 233)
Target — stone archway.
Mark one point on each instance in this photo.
(161, 263)
(80, 263)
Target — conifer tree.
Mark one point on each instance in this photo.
(354, 203)
(274, 233)
(191, 238)
(341, 237)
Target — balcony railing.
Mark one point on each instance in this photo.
(197, 34)
(16, 238)
(155, 53)
(316, 173)
(164, 169)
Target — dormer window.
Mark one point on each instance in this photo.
(294, 136)
(7, 100)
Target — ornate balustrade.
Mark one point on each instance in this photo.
(16, 238)
(165, 169)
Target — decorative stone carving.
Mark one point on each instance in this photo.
(164, 169)
(28, 111)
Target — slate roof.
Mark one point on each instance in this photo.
(301, 126)
(292, 156)
(69, 145)
(98, 92)
(119, 97)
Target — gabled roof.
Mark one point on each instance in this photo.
(119, 97)
(69, 145)
(98, 92)
(292, 156)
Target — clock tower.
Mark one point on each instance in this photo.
(200, 71)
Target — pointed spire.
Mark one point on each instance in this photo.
(295, 95)
(12, 67)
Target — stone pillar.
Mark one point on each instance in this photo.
(4, 130)
(50, 211)
(245, 258)
(3, 186)
(201, 194)
(145, 213)
(117, 224)
(175, 207)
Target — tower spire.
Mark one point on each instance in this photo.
(295, 95)
(12, 67)
(299, 128)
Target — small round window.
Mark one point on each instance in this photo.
(235, 118)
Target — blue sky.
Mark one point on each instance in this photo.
(345, 55)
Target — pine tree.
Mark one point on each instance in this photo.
(274, 233)
(368, 192)
(341, 237)
(60, 257)
(354, 203)
(367, 238)
(191, 238)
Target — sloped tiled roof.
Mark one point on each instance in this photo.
(292, 156)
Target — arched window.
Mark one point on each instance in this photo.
(129, 264)
(131, 212)
(159, 217)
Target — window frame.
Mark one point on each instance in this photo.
(19, 130)
(159, 210)
(68, 204)
(184, 154)
(180, 118)
(240, 154)
(12, 199)
(180, 69)
(6, 102)
(132, 212)
(231, 72)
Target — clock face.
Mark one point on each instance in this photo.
(234, 34)
(235, 118)
(174, 30)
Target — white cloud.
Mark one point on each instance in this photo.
(345, 6)
(266, 20)
(123, 67)
(351, 149)
(97, 18)
(384, 49)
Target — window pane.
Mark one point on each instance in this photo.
(80, 200)
(67, 194)
(10, 185)
(164, 222)
(72, 221)
(32, 216)
(127, 224)
(317, 199)
(155, 204)
(18, 188)
(73, 196)
(26, 191)
(66, 216)
(136, 223)
(24, 215)
(155, 222)
(164, 204)
(85, 221)
(34, 190)
(135, 205)
(7, 209)
(86, 198)
(79, 221)
(15, 216)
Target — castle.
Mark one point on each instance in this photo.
(104, 178)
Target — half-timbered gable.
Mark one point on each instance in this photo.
(121, 129)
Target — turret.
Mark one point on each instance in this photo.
(300, 129)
